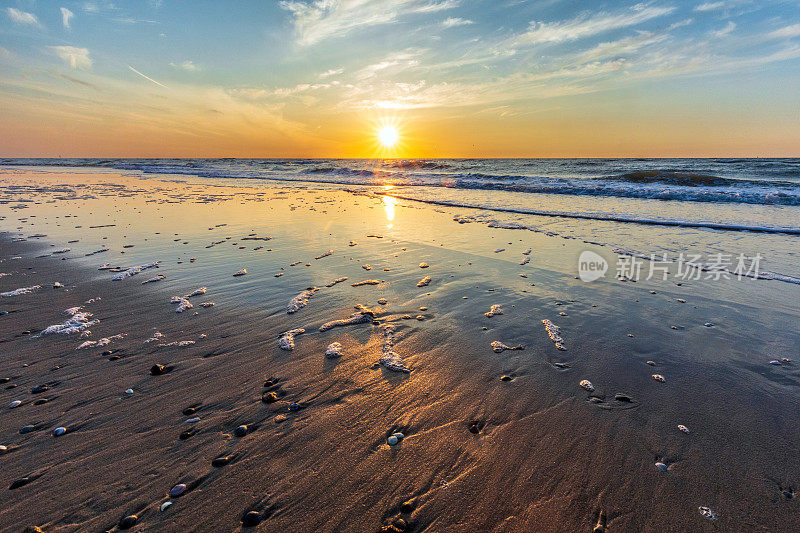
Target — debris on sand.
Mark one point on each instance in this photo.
(241, 272)
(134, 270)
(21, 291)
(525, 261)
(366, 282)
(207, 304)
(390, 359)
(154, 279)
(361, 316)
(301, 300)
(196, 292)
(334, 350)
(424, 281)
(499, 347)
(183, 304)
(102, 342)
(77, 322)
(494, 310)
(707, 513)
(287, 339)
(555, 334)
(324, 254)
(334, 282)
(527, 252)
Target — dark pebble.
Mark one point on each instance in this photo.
(26, 429)
(270, 397)
(128, 522)
(476, 427)
(219, 462)
(157, 370)
(505, 378)
(400, 524)
(41, 401)
(12, 386)
(5, 380)
(294, 406)
(241, 431)
(40, 388)
(622, 398)
(186, 434)
(251, 519)
(271, 382)
(21, 482)
(190, 411)
(408, 506)
(114, 358)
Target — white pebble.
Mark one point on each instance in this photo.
(707, 513)
(129, 391)
(15, 403)
(683, 428)
(165, 506)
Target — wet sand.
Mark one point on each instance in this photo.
(490, 441)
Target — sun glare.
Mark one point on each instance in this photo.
(388, 136)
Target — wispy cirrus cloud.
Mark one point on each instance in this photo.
(77, 58)
(317, 20)
(331, 72)
(452, 22)
(188, 65)
(786, 32)
(66, 16)
(710, 6)
(588, 25)
(22, 17)
(726, 30)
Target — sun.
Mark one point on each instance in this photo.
(388, 136)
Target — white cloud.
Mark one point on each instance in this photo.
(66, 15)
(331, 72)
(624, 46)
(452, 22)
(77, 58)
(21, 17)
(187, 65)
(710, 6)
(726, 30)
(585, 26)
(317, 20)
(5, 54)
(786, 33)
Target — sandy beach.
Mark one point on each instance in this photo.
(414, 422)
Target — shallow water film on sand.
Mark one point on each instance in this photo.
(398, 345)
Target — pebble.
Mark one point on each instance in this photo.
(251, 519)
(294, 407)
(661, 466)
(128, 522)
(423, 265)
(505, 378)
(59, 431)
(683, 428)
(776, 363)
(39, 389)
(177, 490)
(270, 397)
(651, 363)
(129, 391)
(622, 398)
(334, 350)
(395, 438)
(5, 380)
(241, 272)
(659, 378)
(707, 513)
(57, 285)
(280, 418)
(165, 506)
(587, 385)
(26, 429)
(157, 370)
(194, 420)
(241, 431)
(15, 403)
(221, 461)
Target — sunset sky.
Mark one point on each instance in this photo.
(457, 78)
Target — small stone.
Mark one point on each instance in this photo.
(39, 389)
(157, 370)
(241, 431)
(251, 519)
(26, 429)
(186, 434)
(623, 398)
(661, 466)
(587, 385)
(270, 397)
(294, 407)
(177, 490)
(15, 403)
(3, 449)
(166, 505)
(129, 391)
(5, 380)
(659, 378)
(708, 324)
(505, 378)
(220, 461)
(776, 363)
(57, 285)
(128, 522)
(21, 482)
(707, 513)
(407, 507)
(194, 420)
(683, 428)
(59, 431)
(280, 418)
(651, 363)
(392, 440)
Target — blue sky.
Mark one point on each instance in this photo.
(462, 77)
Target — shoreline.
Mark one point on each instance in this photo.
(534, 452)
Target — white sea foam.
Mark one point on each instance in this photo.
(555, 334)
(499, 347)
(334, 282)
(361, 316)
(134, 270)
(390, 359)
(154, 279)
(301, 300)
(76, 323)
(287, 339)
(366, 282)
(324, 254)
(21, 291)
(183, 304)
(101, 342)
(494, 310)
